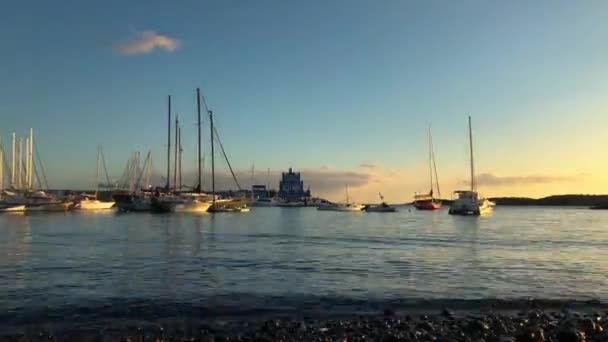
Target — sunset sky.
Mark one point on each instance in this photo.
(341, 90)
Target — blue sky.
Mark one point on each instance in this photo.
(313, 84)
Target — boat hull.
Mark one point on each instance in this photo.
(471, 208)
(348, 208)
(380, 209)
(192, 207)
(427, 205)
(134, 203)
(12, 208)
(95, 205)
(49, 207)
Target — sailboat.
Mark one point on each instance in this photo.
(346, 206)
(91, 202)
(469, 202)
(428, 201)
(6, 207)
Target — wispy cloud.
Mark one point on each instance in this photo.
(146, 42)
(490, 179)
(367, 165)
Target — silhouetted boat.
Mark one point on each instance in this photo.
(427, 201)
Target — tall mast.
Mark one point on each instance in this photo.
(176, 152)
(471, 151)
(1, 170)
(198, 109)
(97, 172)
(430, 159)
(212, 160)
(26, 186)
(435, 167)
(31, 168)
(179, 165)
(252, 178)
(168, 144)
(14, 159)
(347, 197)
(19, 163)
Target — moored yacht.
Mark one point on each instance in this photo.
(469, 202)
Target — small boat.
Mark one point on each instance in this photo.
(469, 202)
(91, 202)
(383, 207)
(428, 201)
(346, 206)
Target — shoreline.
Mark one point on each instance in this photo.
(489, 320)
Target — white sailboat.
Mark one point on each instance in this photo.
(6, 207)
(346, 206)
(88, 202)
(469, 202)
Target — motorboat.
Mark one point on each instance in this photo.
(380, 208)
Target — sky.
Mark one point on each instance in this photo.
(340, 90)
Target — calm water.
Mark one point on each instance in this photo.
(293, 259)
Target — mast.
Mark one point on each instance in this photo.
(430, 160)
(168, 145)
(97, 172)
(13, 163)
(212, 160)
(1, 170)
(31, 168)
(19, 163)
(198, 109)
(26, 186)
(176, 152)
(471, 152)
(252, 179)
(347, 197)
(179, 165)
(435, 166)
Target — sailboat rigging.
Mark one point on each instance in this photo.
(429, 201)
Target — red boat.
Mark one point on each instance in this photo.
(427, 204)
(427, 201)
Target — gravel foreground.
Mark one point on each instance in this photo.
(527, 326)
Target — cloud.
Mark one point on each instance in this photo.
(146, 42)
(367, 165)
(490, 179)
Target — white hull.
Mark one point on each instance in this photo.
(342, 207)
(95, 205)
(471, 206)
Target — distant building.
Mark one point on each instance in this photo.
(291, 187)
